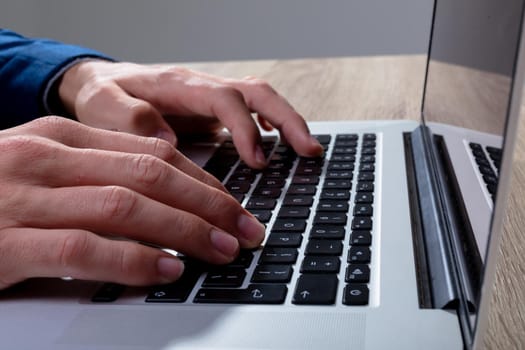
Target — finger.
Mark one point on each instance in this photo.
(110, 107)
(264, 123)
(115, 210)
(32, 252)
(196, 95)
(77, 135)
(263, 99)
(229, 107)
(142, 173)
(154, 179)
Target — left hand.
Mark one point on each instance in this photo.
(161, 100)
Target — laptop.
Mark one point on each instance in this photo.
(387, 242)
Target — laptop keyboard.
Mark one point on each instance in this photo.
(318, 211)
(487, 165)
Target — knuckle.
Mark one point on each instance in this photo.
(226, 91)
(219, 202)
(139, 110)
(51, 123)
(149, 169)
(163, 149)
(73, 247)
(261, 85)
(21, 149)
(118, 203)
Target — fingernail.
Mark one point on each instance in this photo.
(251, 229)
(259, 155)
(165, 135)
(170, 268)
(223, 242)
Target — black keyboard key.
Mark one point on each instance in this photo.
(108, 293)
(337, 184)
(327, 232)
(254, 294)
(368, 158)
(346, 158)
(324, 247)
(369, 143)
(339, 166)
(178, 291)
(263, 216)
(346, 137)
(367, 167)
(267, 192)
(261, 203)
(364, 198)
(271, 255)
(242, 177)
(359, 254)
(244, 259)
(363, 210)
(272, 273)
(330, 218)
(311, 162)
(365, 177)
(301, 190)
(369, 137)
(271, 183)
(365, 186)
(323, 139)
(320, 264)
(361, 238)
(361, 223)
(335, 194)
(305, 180)
(289, 225)
(238, 186)
(368, 151)
(357, 273)
(346, 143)
(294, 212)
(344, 150)
(308, 170)
(332, 206)
(305, 200)
(225, 277)
(276, 173)
(355, 294)
(315, 289)
(336, 174)
(284, 239)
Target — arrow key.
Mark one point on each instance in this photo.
(316, 289)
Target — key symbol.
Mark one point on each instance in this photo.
(256, 294)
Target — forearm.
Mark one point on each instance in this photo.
(28, 68)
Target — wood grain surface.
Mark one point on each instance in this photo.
(391, 87)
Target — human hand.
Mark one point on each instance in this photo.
(158, 100)
(68, 189)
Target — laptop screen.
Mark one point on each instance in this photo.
(472, 59)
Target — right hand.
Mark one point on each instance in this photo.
(69, 189)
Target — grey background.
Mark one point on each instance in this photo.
(204, 30)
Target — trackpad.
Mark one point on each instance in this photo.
(215, 327)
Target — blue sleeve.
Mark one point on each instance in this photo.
(26, 66)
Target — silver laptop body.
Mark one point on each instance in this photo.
(437, 219)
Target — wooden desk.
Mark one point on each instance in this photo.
(390, 87)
